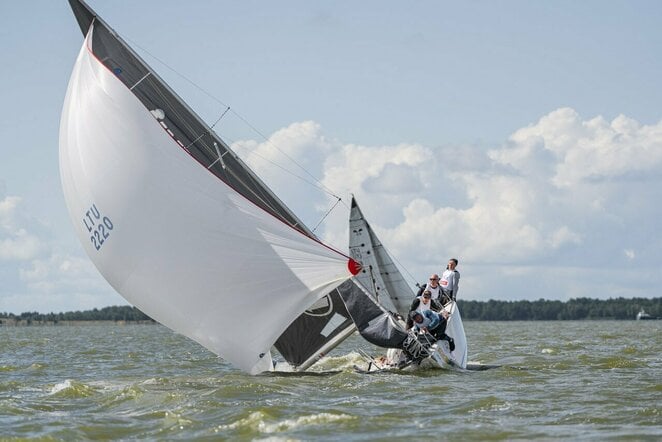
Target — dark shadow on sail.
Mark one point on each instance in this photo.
(316, 332)
(376, 324)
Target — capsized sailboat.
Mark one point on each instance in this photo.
(385, 294)
(180, 226)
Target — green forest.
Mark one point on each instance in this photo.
(492, 310)
(114, 313)
(574, 309)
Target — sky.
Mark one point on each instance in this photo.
(522, 138)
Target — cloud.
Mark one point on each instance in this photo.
(16, 244)
(592, 150)
(557, 200)
(289, 162)
(565, 207)
(36, 275)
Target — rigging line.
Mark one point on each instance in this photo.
(327, 214)
(204, 148)
(367, 356)
(176, 72)
(245, 180)
(140, 81)
(284, 169)
(184, 123)
(186, 127)
(208, 131)
(323, 187)
(191, 129)
(401, 266)
(262, 195)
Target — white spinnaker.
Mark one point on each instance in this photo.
(181, 245)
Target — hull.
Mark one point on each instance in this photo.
(440, 355)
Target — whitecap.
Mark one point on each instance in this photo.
(61, 386)
(302, 421)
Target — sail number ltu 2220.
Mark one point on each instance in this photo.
(98, 226)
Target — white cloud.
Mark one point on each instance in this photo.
(36, 276)
(16, 244)
(550, 213)
(289, 162)
(561, 193)
(588, 150)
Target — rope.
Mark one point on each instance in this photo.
(208, 131)
(320, 186)
(327, 214)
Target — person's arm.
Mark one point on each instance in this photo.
(434, 319)
(414, 305)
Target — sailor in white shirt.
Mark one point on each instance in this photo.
(433, 287)
(450, 280)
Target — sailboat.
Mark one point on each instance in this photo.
(179, 226)
(184, 230)
(387, 301)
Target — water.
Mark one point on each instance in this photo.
(590, 380)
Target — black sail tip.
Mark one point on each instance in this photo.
(353, 202)
(83, 13)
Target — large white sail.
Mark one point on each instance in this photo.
(169, 236)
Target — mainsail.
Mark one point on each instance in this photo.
(379, 273)
(179, 225)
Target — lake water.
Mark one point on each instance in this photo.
(584, 380)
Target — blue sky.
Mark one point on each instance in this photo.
(524, 138)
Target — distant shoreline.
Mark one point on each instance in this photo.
(578, 309)
(8, 322)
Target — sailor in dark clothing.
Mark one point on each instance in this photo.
(422, 303)
(433, 287)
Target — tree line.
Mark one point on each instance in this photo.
(492, 310)
(573, 309)
(114, 313)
